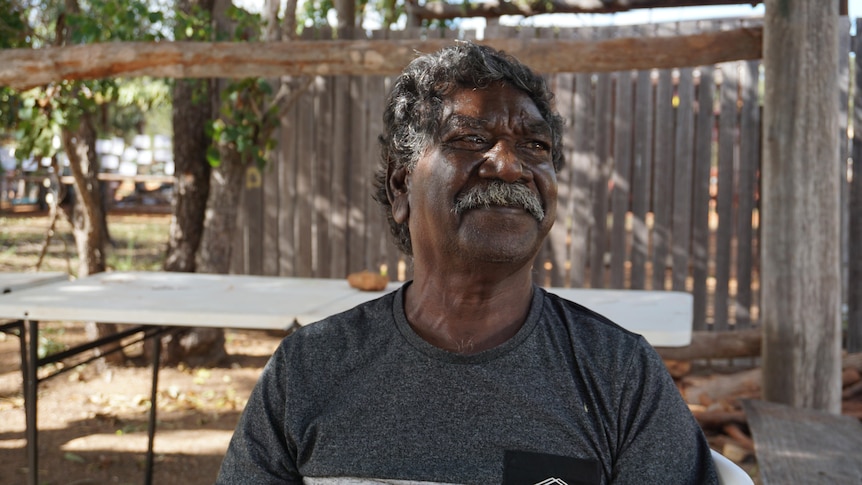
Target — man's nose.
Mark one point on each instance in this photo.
(502, 162)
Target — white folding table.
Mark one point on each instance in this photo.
(158, 301)
(17, 281)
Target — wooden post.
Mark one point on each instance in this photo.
(854, 245)
(801, 287)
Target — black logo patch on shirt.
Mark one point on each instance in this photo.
(527, 468)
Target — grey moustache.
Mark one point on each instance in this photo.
(502, 194)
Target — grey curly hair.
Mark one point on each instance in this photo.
(414, 106)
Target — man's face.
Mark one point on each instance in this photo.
(487, 136)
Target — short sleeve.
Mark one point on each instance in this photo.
(660, 440)
(260, 452)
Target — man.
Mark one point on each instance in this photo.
(469, 373)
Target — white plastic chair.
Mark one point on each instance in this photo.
(729, 473)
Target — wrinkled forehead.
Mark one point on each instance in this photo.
(484, 108)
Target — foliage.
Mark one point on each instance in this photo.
(121, 106)
(115, 20)
(315, 13)
(245, 123)
(247, 115)
(13, 34)
(50, 343)
(195, 25)
(37, 115)
(14, 31)
(247, 25)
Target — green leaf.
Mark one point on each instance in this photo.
(69, 456)
(213, 157)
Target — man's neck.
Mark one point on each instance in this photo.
(469, 312)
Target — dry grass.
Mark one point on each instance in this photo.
(138, 243)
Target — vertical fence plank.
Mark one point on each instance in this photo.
(271, 206)
(622, 176)
(682, 175)
(640, 181)
(323, 177)
(251, 211)
(583, 167)
(563, 85)
(287, 160)
(305, 185)
(367, 167)
(663, 179)
(700, 195)
(603, 129)
(724, 203)
(357, 182)
(749, 164)
(338, 227)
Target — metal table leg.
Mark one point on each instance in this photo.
(30, 363)
(22, 341)
(30, 396)
(151, 431)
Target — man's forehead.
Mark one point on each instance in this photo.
(481, 105)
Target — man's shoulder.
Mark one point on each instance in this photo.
(587, 329)
(338, 340)
(359, 317)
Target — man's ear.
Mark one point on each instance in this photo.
(397, 188)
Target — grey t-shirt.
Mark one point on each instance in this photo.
(360, 398)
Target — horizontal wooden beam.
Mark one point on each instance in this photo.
(498, 8)
(26, 68)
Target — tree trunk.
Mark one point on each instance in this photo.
(88, 215)
(220, 223)
(854, 290)
(192, 111)
(225, 182)
(88, 218)
(801, 267)
(206, 346)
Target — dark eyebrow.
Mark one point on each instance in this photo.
(539, 127)
(456, 121)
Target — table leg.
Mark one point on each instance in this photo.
(151, 431)
(22, 342)
(30, 395)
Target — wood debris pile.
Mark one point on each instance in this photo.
(715, 396)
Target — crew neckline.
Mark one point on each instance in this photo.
(420, 344)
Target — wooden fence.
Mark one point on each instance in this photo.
(659, 191)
